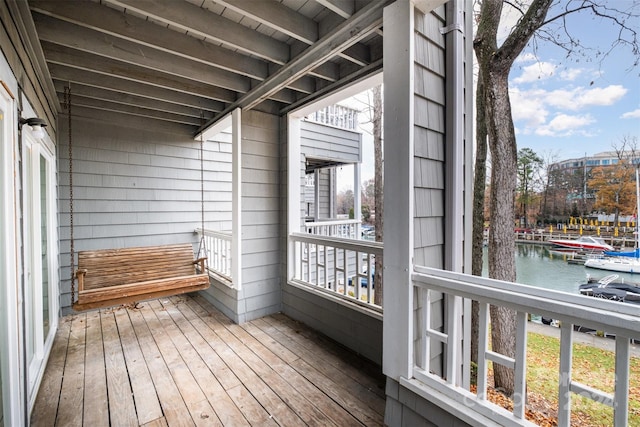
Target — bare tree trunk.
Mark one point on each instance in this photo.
(495, 64)
(379, 220)
(479, 187)
(501, 239)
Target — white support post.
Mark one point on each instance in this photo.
(455, 183)
(316, 195)
(357, 198)
(236, 201)
(398, 64)
(293, 191)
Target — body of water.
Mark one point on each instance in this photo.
(537, 267)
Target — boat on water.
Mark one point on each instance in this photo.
(615, 263)
(610, 287)
(584, 243)
(631, 254)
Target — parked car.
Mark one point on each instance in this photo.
(363, 281)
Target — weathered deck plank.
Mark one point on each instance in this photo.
(71, 393)
(201, 411)
(122, 410)
(224, 407)
(44, 411)
(96, 408)
(179, 362)
(173, 406)
(144, 393)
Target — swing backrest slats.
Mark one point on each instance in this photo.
(114, 267)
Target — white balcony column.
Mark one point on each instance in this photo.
(357, 198)
(456, 188)
(316, 195)
(236, 200)
(398, 109)
(294, 185)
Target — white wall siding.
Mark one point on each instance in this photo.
(318, 141)
(326, 142)
(261, 256)
(137, 187)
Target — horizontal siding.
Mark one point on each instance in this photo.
(134, 187)
(261, 255)
(318, 141)
(329, 143)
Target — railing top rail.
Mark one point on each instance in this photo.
(331, 222)
(614, 317)
(375, 248)
(217, 233)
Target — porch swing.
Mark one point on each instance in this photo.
(110, 277)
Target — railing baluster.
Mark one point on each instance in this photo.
(426, 325)
(483, 348)
(346, 274)
(219, 257)
(520, 380)
(621, 392)
(615, 318)
(566, 360)
(333, 260)
(421, 330)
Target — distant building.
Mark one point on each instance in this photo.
(606, 158)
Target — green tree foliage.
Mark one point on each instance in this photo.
(529, 164)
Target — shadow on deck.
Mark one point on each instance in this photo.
(178, 361)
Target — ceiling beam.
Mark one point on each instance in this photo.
(360, 25)
(128, 99)
(277, 16)
(343, 8)
(70, 57)
(82, 101)
(110, 21)
(124, 86)
(87, 40)
(197, 20)
(129, 120)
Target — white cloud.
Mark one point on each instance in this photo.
(566, 125)
(538, 71)
(580, 97)
(528, 106)
(635, 114)
(570, 74)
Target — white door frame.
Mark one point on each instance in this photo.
(10, 343)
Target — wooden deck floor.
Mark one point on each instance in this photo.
(178, 361)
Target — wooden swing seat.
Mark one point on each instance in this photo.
(109, 277)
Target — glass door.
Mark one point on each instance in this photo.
(38, 240)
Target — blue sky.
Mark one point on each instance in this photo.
(562, 107)
(569, 107)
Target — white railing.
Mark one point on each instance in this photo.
(347, 228)
(218, 244)
(341, 267)
(430, 285)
